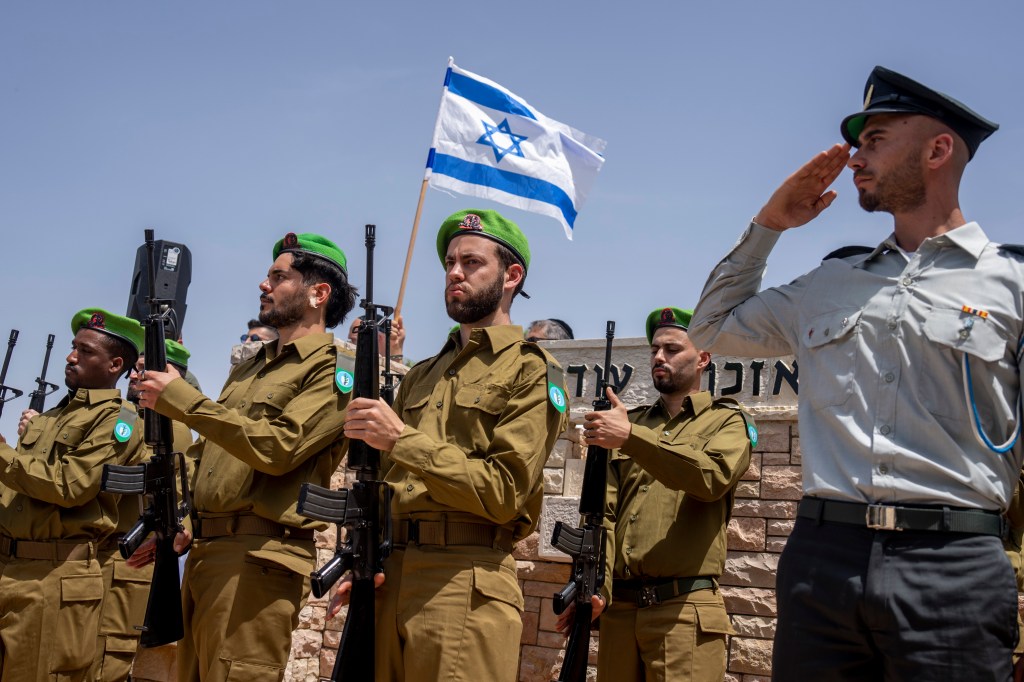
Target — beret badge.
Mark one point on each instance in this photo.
(667, 317)
(471, 222)
(96, 322)
(291, 241)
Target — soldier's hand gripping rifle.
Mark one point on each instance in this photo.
(4, 388)
(37, 398)
(363, 512)
(157, 481)
(585, 544)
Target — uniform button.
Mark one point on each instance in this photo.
(210, 472)
(264, 571)
(963, 333)
(906, 281)
(643, 489)
(883, 469)
(270, 395)
(260, 375)
(410, 487)
(889, 377)
(629, 550)
(451, 372)
(885, 429)
(241, 404)
(891, 324)
(627, 572)
(65, 436)
(666, 432)
(19, 507)
(632, 519)
(438, 403)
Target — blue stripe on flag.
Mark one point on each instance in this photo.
(511, 183)
(485, 95)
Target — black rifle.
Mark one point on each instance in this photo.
(4, 388)
(37, 398)
(363, 512)
(585, 544)
(156, 480)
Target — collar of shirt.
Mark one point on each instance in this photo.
(498, 337)
(698, 403)
(304, 346)
(969, 237)
(90, 396)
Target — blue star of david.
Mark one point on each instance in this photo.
(503, 129)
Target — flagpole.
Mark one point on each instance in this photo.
(412, 243)
(423, 194)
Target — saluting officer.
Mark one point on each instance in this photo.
(910, 399)
(276, 425)
(467, 440)
(671, 483)
(53, 517)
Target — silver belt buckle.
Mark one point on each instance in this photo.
(881, 517)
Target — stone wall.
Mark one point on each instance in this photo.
(762, 517)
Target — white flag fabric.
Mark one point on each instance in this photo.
(490, 143)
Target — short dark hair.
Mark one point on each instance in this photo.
(507, 258)
(119, 348)
(318, 271)
(255, 324)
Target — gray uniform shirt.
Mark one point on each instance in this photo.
(879, 340)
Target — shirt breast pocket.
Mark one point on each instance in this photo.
(958, 334)
(828, 358)
(478, 408)
(271, 400)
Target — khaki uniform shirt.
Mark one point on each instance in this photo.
(670, 491)
(880, 339)
(479, 428)
(276, 425)
(51, 482)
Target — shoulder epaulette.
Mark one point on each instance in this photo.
(747, 418)
(847, 251)
(1017, 249)
(638, 408)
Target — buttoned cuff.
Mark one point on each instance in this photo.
(177, 399)
(412, 450)
(757, 241)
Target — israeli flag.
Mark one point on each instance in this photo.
(490, 143)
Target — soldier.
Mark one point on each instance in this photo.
(910, 398)
(276, 425)
(468, 436)
(671, 483)
(53, 517)
(126, 589)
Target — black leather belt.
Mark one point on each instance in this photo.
(889, 517)
(650, 593)
(247, 524)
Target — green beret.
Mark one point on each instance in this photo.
(667, 317)
(124, 328)
(177, 354)
(484, 223)
(314, 245)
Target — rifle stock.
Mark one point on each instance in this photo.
(156, 480)
(363, 512)
(586, 544)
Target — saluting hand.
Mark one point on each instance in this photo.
(805, 194)
(374, 422)
(152, 383)
(608, 428)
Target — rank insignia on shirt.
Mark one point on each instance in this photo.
(556, 392)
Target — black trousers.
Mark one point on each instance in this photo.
(860, 604)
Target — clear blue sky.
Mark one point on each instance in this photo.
(224, 125)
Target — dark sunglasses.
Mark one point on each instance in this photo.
(249, 337)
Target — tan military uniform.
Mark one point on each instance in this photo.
(276, 425)
(670, 495)
(467, 474)
(52, 518)
(126, 590)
